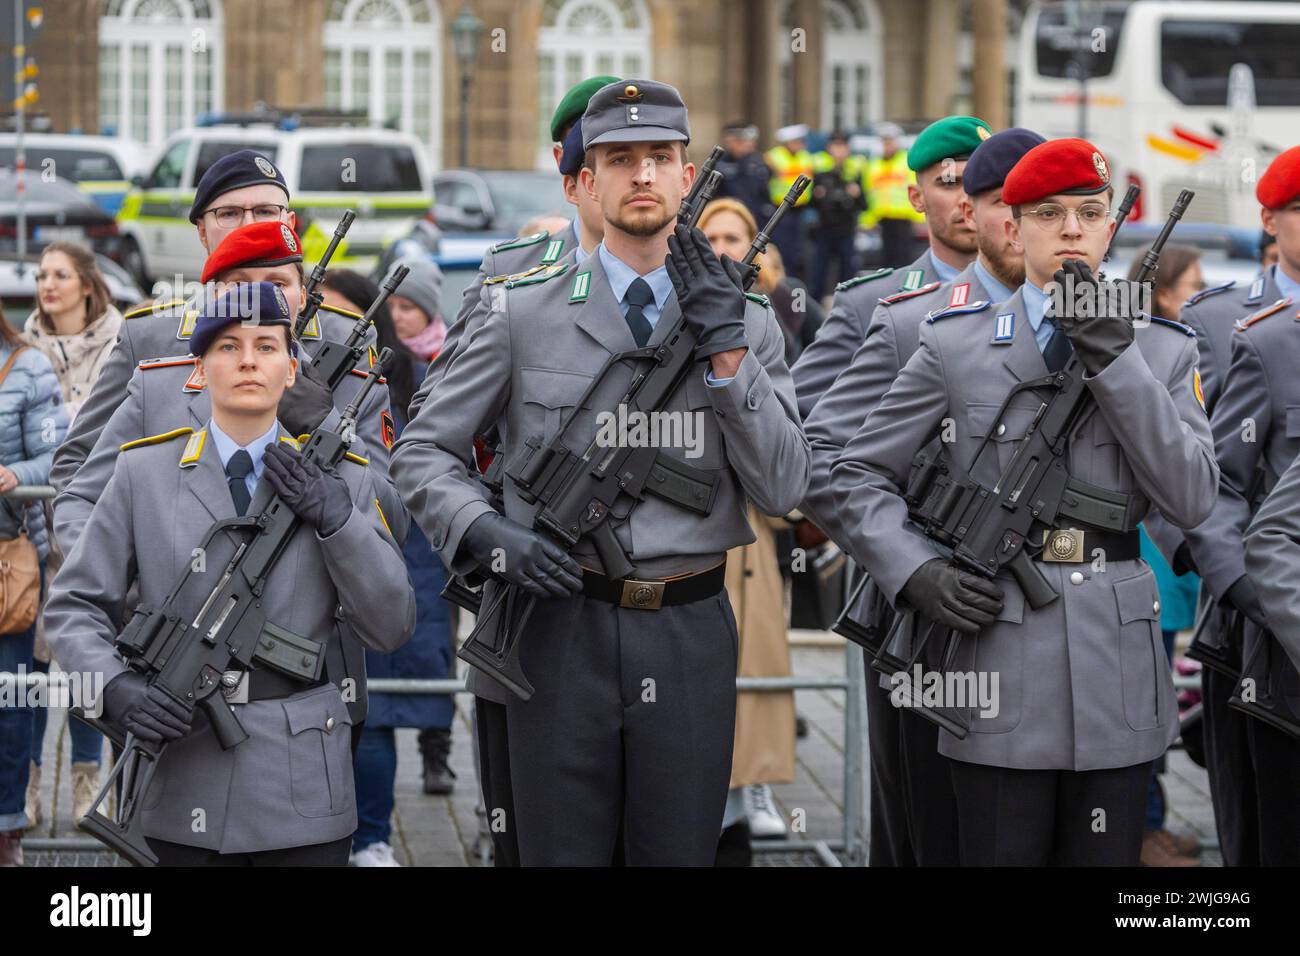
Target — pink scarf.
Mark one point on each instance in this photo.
(428, 342)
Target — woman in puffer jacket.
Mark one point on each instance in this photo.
(33, 420)
(75, 326)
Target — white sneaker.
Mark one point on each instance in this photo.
(376, 854)
(764, 821)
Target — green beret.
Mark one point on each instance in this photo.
(953, 137)
(574, 103)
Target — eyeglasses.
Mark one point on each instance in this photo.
(1091, 215)
(230, 216)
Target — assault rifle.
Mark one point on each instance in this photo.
(991, 529)
(577, 493)
(314, 296)
(192, 657)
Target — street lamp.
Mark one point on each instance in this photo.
(466, 30)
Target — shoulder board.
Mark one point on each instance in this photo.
(155, 439)
(511, 277)
(297, 443)
(188, 321)
(865, 277)
(357, 371)
(1211, 290)
(757, 297)
(936, 314)
(167, 362)
(538, 275)
(337, 310)
(520, 242)
(356, 458)
(1263, 313)
(194, 448)
(152, 308)
(908, 293)
(1185, 329)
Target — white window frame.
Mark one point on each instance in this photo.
(123, 31)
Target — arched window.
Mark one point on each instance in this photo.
(581, 38)
(852, 64)
(382, 56)
(160, 66)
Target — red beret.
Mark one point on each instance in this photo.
(1070, 166)
(1281, 181)
(257, 244)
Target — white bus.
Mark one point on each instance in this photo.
(1179, 95)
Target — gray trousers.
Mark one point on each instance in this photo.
(633, 719)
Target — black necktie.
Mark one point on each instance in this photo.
(237, 469)
(638, 296)
(1058, 349)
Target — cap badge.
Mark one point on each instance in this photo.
(281, 302)
(287, 235)
(264, 166)
(631, 94)
(982, 133)
(1100, 165)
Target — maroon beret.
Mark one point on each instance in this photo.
(1281, 181)
(1060, 166)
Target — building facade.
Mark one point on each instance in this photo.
(144, 68)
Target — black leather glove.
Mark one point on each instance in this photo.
(962, 601)
(305, 406)
(521, 556)
(1243, 596)
(1099, 339)
(148, 712)
(1184, 563)
(709, 292)
(320, 498)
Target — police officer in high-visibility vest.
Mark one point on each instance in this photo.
(839, 198)
(788, 160)
(888, 177)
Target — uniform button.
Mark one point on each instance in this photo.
(721, 413)
(329, 724)
(752, 400)
(1002, 429)
(1155, 606)
(1076, 577)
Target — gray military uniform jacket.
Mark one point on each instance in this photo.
(1272, 556)
(1256, 422)
(290, 783)
(1084, 683)
(527, 368)
(845, 329)
(84, 462)
(503, 259)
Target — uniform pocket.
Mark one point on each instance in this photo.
(1141, 651)
(549, 396)
(1003, 432)
(320, 753)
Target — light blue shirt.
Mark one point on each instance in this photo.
(1285, 284)
(1036, 308)
(996, 290)
(227, 446)
(945, 272)
(621, 275)
(579, 253)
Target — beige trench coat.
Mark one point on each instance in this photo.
(764, 748)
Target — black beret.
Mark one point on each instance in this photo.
(251, 303)
(571, 156)
(994, 158)
(235, 171)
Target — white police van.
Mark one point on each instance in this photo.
(381, 174)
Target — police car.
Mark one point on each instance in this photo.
(381, 174)
(101, 166)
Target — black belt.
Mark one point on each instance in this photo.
(651, 595)
(1080, 545)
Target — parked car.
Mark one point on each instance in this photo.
(381, 174)
(57, 211)
(475, 208)
(101, 166)
(18, 285)
(1227, 252)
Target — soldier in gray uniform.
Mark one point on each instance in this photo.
(1256, 438)
(256, 252)
(633, 711)
(1084, 700)
(240, 188)
(914, 814)
(937, 158)
(248, 805)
